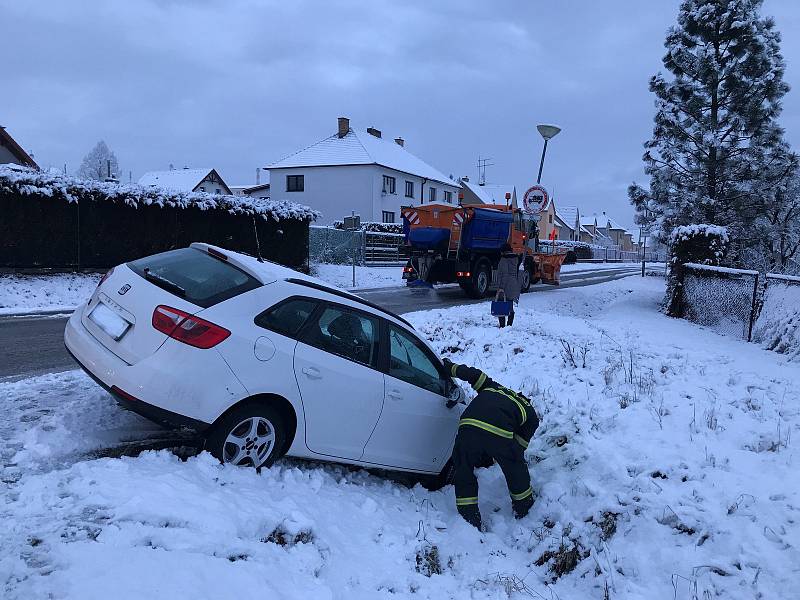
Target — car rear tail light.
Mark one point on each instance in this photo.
(188, 329)
(408, 269)
(106, 276)
(463, 274)
(217, 254)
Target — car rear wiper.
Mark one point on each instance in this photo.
(164, 283)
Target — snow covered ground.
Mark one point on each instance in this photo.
(366, 277)
(664, 468)
(30, 293)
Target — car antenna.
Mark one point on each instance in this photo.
(258, 244)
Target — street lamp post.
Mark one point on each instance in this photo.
(547, 132)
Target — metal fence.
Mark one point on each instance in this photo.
(720, 298)
(342, 246)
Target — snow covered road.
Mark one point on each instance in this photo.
(664, 468)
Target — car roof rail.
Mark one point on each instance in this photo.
(346, 295)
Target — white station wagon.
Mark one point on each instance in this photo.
(266, 362)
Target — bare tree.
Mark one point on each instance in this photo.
(95, 165)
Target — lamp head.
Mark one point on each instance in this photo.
(548, 131)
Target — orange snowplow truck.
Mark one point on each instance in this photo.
(462, 244)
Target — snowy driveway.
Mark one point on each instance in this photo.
(664, 468)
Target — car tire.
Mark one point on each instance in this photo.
(250, 435)
(434, 483)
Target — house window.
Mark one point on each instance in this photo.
(409, 189)
(388, 185)
(432, 194)
(388, 216)
(550, 218)
(202, 189)
(217, 191)
(294, 183)
(448, 196)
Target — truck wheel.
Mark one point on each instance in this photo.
(478, 285)
(527, 278)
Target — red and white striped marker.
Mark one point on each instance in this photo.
(413, 217)
(458, 219)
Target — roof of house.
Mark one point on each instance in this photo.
(586, 231)
(182, 180)
(568, 214)
(588, 219)
(357, 148)
(490, 193)
(560, 222)
(15, 149)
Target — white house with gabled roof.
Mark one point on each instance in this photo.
(360, 172)
(187, 180)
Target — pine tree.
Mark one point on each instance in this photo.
(716, 128)
(778, 226)
(95, 164)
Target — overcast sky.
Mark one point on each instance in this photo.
(238, 84)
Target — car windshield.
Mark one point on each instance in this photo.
(194, 275)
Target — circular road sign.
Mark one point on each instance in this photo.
(535, 199)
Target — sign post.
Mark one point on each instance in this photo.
(353, 223)
(535, 200)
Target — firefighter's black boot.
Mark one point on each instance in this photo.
(471, 515)
(522, 507)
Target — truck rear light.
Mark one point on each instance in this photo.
(463, 274)
(408, 269)
(188, 329)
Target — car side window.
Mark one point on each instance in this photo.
(287, 317)
(346, 333)
(410, 363)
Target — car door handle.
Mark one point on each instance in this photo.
(312, 373)
(394, 395)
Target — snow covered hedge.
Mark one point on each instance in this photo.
(778, 324)
(53, 220)
(375, 227)
(15, 179)
(701, 244)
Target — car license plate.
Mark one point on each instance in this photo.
(109, 321)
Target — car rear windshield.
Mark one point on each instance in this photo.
(194, 275)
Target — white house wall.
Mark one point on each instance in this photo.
(333, 191)
(336, 191)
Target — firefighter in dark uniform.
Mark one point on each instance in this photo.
(497, 425)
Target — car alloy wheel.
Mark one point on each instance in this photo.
(250, 443)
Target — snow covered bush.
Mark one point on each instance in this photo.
(54, 220)
(701, 244)
(53, 184)
(778, 324)
(374, 226)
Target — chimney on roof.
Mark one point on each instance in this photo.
(344, 126)
(399, 141)
(373, 131)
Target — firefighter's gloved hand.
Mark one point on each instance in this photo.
(448, 364)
